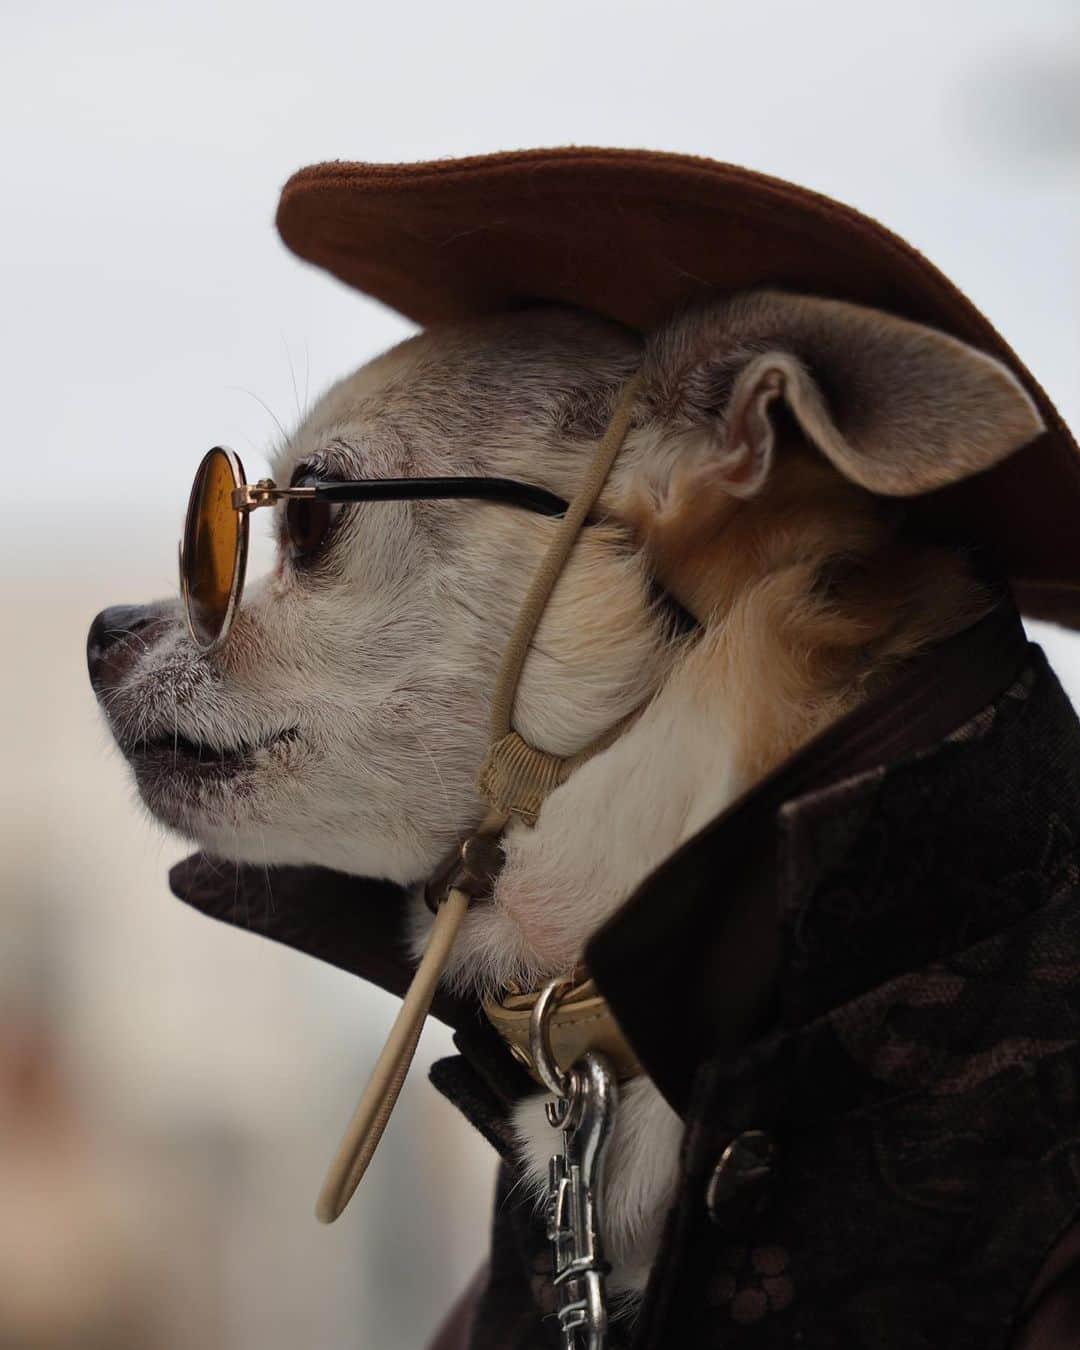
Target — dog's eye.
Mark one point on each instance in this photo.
(306, 525)
(307, 522)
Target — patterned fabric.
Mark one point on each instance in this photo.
(921, 1080)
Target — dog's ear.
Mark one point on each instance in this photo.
(898, 408)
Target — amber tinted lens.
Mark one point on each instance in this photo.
(212, 546)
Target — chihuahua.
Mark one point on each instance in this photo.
(761, 486)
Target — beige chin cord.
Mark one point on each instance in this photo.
(515, 778)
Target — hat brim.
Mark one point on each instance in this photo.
(631, 234)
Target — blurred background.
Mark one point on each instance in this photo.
(170, 1090)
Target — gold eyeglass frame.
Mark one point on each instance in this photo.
(248, 497)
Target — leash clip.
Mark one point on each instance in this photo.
(584, 1109)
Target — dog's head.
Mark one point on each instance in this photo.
(343, 721)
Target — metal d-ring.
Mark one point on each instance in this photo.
(544, 1061)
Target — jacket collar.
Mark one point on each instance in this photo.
(690, 964)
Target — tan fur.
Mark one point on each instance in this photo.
(809, 590)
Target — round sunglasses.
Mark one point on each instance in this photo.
(213, 552)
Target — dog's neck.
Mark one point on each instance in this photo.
(776, 661)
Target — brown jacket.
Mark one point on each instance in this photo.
(885, 986)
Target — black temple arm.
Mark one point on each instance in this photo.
(526, 495)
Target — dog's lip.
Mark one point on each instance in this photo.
(179, 753)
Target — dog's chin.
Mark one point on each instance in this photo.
(241, 804)
(196, 788)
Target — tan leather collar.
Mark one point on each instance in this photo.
(581, 1021)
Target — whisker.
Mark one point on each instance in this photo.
(130, 633)
(238, 388)
(270, 910)
(435, 765)
(307, 376)
(292, 377)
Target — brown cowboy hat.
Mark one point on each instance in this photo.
(631, 234)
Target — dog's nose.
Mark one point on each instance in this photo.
(110, 627)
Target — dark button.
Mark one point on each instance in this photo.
(740, 1183)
